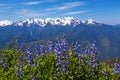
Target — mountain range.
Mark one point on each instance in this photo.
(106, 36)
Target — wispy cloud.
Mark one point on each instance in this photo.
(66, 6)
(3, 5)
(49, 11)
(32, 3)
(3, 10)
(44, 12)
(30, 13)
(25, 12)
(51, 0)
(76, 12)
(74, 4)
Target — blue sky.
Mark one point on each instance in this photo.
(105, 11)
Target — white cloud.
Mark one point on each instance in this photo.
(66, 6)
(32, 3)
(76, 12)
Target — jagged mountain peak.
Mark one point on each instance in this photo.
(90, 21)
(5, 23)
(64, 21)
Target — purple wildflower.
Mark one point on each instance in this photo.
(19, 72)
(92, 62)
(60, 50)
(116, 69)
(50, 46)
(29, 57)
(105, 72)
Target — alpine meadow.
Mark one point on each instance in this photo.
(59, 40)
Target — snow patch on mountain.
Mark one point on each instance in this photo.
(90, 21)
(5, 23)
(64, 21)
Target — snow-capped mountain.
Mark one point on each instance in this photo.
(90, 21)
(106, 36)
(5, 23)
(65, 21)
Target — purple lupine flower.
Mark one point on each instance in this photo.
(116, 69)
(50, 46)
(77, 50)
(92, 61)
(2, 58)
(105, 72)
(93, 64)
(64, 44)
(93, 47)
(64, 67)
(60, 50)
(86, 50)
(116, 65)
(92, 71)
(40, 49)
(29, 57)
(2, 55)
(59, 63)
(36, 65)
(34, 79)
(21, 58)
(57, 57)
(6, 65)
(19, 72)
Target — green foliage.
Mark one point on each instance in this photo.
(46, 69)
